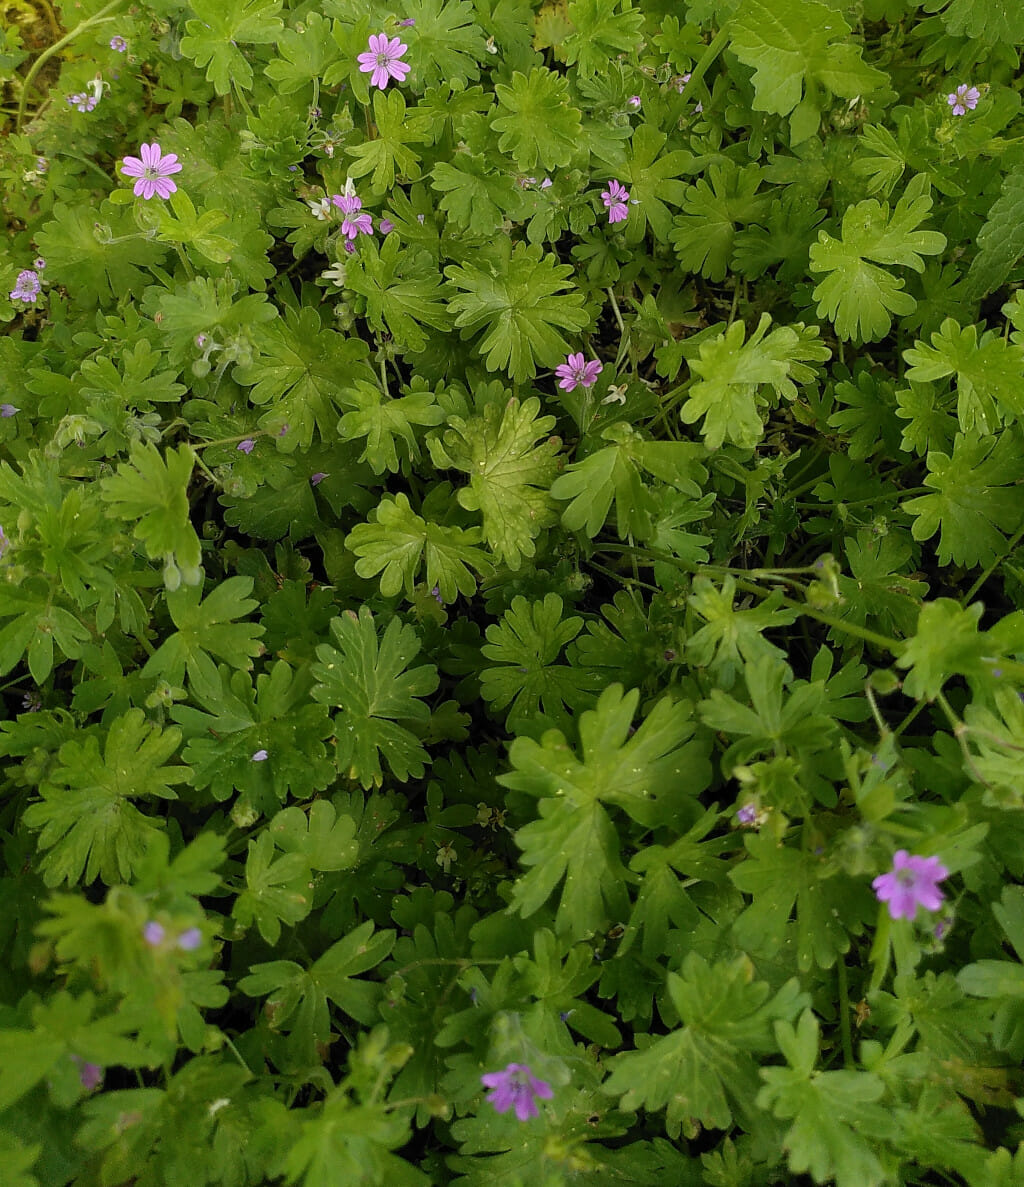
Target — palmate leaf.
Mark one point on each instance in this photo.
(989, 374)
(369, 681)
(388, 153)
(705, 231)
(207, 628)
(448, 44)
(599, 34)
(87, 820)
(1001, 239)
(384, 421)
(652, 178)
(536, 121)
(403, 291)
(706, 1068)
(277, 889)
(650, 775)
(858, 296)
(524, 647)
(975, 499)
(212, 39)
(797, 48)
(301, 371)
(523, 298)
(397, 542)
(237, 721)
(616, 473)
(734, 375)
(837, 1120)
(153, 490)
(476, 197)
(509, 473)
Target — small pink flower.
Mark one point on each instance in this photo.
(7, 410)
(516, 1088)
(963, 99)
(576, 370)
(317, 478)
(615, 198)
(354, 223)
(118, 43)
(153, 171)
(153, 933)
(26, 287)
(912, 883)
(382, 60)
(634, 102)
(386, 226)
(90, 1075)
(246, 446)
(190, 939)
(546, 184)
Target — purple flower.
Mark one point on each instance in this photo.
(911, 884)
(282, 430)
(8, 410)
(575, 370)
(964, 98)
(407, 23)
(153, 933)
(546, 184)
(634, 102)
(39, 263)
(383, 60)
(190, 939)
(516, 1088)
(260, 756)
(90, 1075)
(386, 226)
(153, 170)
(615, 198)
(82, 101)
(349, 246)
(317, 478)
(26, 287)
(349, 205)
(435, 593)
(118, 43)
(747, 815)
(246, 446)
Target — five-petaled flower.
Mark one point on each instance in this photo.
(354, 223)
(382, 61)
(153, 170)
(82, 101)
(912, 883)
(26, 287)
(615, 198)
(516, 1088)
(576, 370)
(963, 99)
(118, 43)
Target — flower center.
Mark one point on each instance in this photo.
(382, 59)
(150, 173)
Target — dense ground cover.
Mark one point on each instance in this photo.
(511, 593)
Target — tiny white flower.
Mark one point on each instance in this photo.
(320, 209)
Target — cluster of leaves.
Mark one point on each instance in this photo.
(377, 713)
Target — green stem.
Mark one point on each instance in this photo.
(100, 18)
(230, 440)
(844, 1012)
(706, 61)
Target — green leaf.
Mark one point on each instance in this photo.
(304, 57)
(837, 1120)
(858, 296)
(615, 472)
(387, 153)
(205, 629)
(519, 295)
(301, 371)
(705, 232)
(212, 38)
(36, 624)
(988, 373)
(509, 474)
(706, 1068)
(798, 47)
(397, 541)
(86, 816)
(277, 889)
(447, 45)
(383, 421)
(368, 680)
(188, 227)
(975, 500)
(154, 491)
(734, 376)
(403, 291)
(575, 839)
(237, 721)
(1001, 238)
(297, 998)
(476, 198)
(540, 125)
(600, 34)
(325, 840)
(946, 642)
(525, 645)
